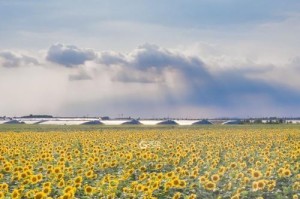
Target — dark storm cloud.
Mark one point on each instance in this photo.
(152, 56)
(229, 89)
(11, 60)
(69, 55)
(226, 88)
(147, 63)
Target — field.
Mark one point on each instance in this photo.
(142, 162)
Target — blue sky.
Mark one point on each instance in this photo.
(205, 58)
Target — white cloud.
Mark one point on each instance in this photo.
(9, 59)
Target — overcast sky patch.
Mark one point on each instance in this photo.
(192, 58)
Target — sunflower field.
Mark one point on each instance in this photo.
(151, 163)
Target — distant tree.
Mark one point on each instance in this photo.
(245, 121)
(257, 121)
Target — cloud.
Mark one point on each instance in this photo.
(151, 56)
(69, 55)
(112, 58)
(133, 76)
(295, 62)
(11, 60)
(155, 81)
(150, 63)
(82, 75)
(234, 89)
(193, 82)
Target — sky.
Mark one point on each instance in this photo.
(149, 59)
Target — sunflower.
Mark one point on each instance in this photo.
(236, 196)
(111, 196)
(182, 184)
(23, 175)
(270, 187)
(47, 184)
(145, 189)
(78, 180)
(233, 165)
(4, 187)
(215, 178)
(258, 164)
(69, 189)
(143, 168)
(30, 194)
(210, 186)
(66, 196)
(56, 170)
(176, 195)
(240, 175)
(175, 182)
(158, 166)
(155, 185)
(168, 185)
(296, 186)
(256, 174)
(202, 179)
(170, 174)
(254, 186)
(60, 176)
(228, 186)
(2, 195)
(33, 179)
(113, 183)
(280, 171)
(61, 183)
(286, 172)
(46, 190)
(7, 169)
(268, 174)
(142, 176)
(88, 190)
(261, 184)
(39, 176)
(222, 170)
(15, 194)
(89, 174)
(40, 195)
(192, 196)
(139, 187)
